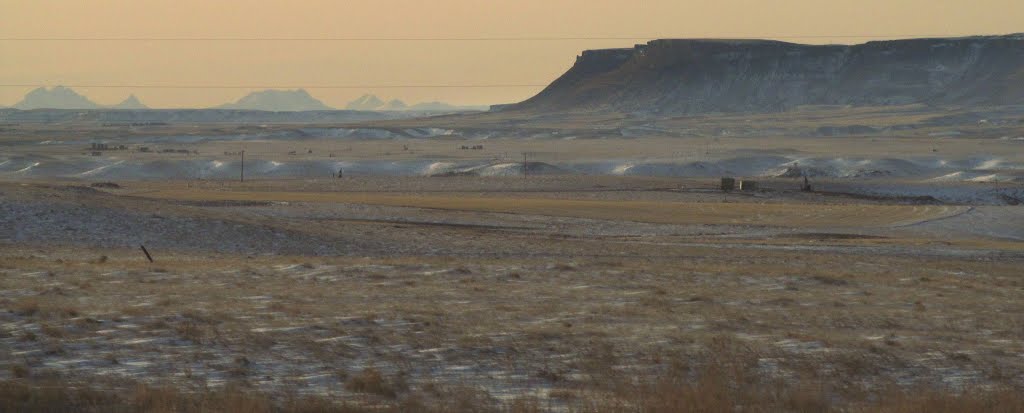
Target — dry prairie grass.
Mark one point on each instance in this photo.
(788, 215)
(768, 331)
(588, 322)
(710, 394)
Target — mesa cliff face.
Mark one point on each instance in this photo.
(701, 76)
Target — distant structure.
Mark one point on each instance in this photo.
(748, 186)
(806, 185)
(728, 184)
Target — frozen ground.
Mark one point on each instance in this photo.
(558, 304)
(434, 274)
(551, 326)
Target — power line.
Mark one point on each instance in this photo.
(311, 39)
(421, 86)
(391, 39)
(453, 39)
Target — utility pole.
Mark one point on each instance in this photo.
(241, 173)
(525, 172)
(144, 251)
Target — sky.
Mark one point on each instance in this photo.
(521, 64)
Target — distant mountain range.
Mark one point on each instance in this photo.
(365, 102)
(278, 101)
(395, 104)
(372, 102)
(60, 97)
(131, 102)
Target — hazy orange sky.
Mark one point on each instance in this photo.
(311, 63)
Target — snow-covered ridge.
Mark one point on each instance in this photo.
(935, 169)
